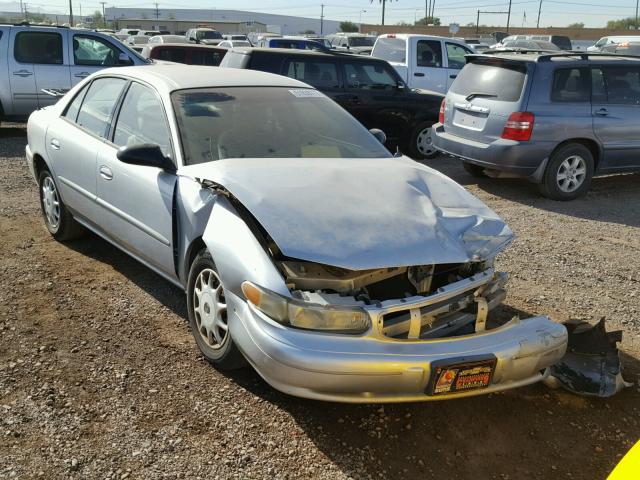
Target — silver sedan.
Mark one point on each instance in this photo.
(338, 271)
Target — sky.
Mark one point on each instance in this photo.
(558, 13)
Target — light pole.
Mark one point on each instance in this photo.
(361, 12)
(540, 10)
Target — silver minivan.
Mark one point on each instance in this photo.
(35, 60)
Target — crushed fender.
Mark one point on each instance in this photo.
(591, 365)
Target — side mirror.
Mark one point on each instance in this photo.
(379, 134)
(146, 155)
(124, 59)
(400, 85)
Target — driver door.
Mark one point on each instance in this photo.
(90, 54)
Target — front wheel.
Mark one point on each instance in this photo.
(422, 142)
(568, 174)
(208, 319)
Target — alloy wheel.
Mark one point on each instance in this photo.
(571, 173)
(50, 202)
(210, 308)
(424, 142)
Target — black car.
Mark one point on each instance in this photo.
(368, 88)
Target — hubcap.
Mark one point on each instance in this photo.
(50, 202)
(210, 308)
(424, 142)
(571, 173)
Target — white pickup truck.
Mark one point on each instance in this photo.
(423, 61)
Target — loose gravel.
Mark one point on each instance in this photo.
(100, 377)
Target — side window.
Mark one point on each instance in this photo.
(98, 105)
(369, 76)
(429, 53)
(455, 55)
(319, 74)
(206, 57)
(74, 107)
(570, 85)
(622, 85)
(142, 120)
(178, 55)
(94, 51)
(38, 47)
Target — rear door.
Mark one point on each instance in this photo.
(616, 114)
(428, 71)
(455, 60)
(482, 98)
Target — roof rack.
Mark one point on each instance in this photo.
(517, 50)
(27, 24)
(586, 55)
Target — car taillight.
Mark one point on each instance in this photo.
(519, 126)
(441, 113)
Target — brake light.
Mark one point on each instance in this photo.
(519, 126)
(441, 113)
(391, 35)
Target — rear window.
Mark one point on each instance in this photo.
(500, 82)
(390, 49)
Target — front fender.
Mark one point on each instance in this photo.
(237, 253)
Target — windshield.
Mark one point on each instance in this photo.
(208, 35)
(271, 122)
(361, 41)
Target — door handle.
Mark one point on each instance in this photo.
(452, 76)
(55, 144)
(82, 75)
(23, 73)
(418, 74)
(603, 112)
(105, 172)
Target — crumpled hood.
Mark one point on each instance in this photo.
(360, 213)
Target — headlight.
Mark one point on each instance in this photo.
(301, 314)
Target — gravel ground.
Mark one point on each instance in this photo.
(100, 377)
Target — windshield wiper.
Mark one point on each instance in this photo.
(473, 95)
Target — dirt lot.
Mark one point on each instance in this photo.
(100, 377)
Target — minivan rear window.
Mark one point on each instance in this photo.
(501, 82)
(390, 49)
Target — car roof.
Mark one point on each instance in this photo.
(191, 46)
(300, 52)
(538, 57)
(166, 77)
(413, 35)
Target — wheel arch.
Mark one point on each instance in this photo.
(39, 164)
(592, 145)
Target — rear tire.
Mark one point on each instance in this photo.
(207, 309)
(568, 174)
(474, 170)
(421, 146)
(57, 218)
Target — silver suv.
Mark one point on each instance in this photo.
(36, 59)
(556, 119)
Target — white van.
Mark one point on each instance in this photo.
(609, 40)
(423, 61)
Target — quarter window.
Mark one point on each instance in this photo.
(570, 85)
(429, 53)
(142, 120)
(38, 47)
(369, 76)
(94, 51)
(98, 105)
(318, 74)
(74, 106)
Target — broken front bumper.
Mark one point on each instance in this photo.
(375, 368)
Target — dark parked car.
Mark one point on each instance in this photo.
(187, 53)
(556, 119)
(368, 88)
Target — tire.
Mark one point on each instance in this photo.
(421, 143)
(208, 315)
(474, 170)
(57, 218)
(568, 174)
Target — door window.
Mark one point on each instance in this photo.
(142, 120)
(622, 85)
(39, 47)
(319, 74)
(94, 51)
(570, 85)
(99, 104)
(429, 53)
(369, 76)
(455, 55)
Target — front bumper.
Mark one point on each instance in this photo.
(518, 159)
(373, 368)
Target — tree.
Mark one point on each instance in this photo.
(430, 21)
(308, 32)
(622, 24)
(384, 4)
(576, 25)
(348, 27)
(403, 24)
(98, 20)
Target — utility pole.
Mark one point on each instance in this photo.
(22, 10)
(104, 20)
(70, 13)
(157, 11)
(433, 9)
(636, 14)
(427, 7)
(509, 16)
(383, 5)
(321, 18)
(478, 23)
(540, 10)
(80, 12)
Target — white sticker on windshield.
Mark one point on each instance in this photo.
(306, 93)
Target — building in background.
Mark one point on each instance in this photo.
(184, 18)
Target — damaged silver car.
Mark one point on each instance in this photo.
(338, 271)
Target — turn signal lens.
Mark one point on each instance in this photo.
(300, 314)
(441, 113)
(519, 126)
